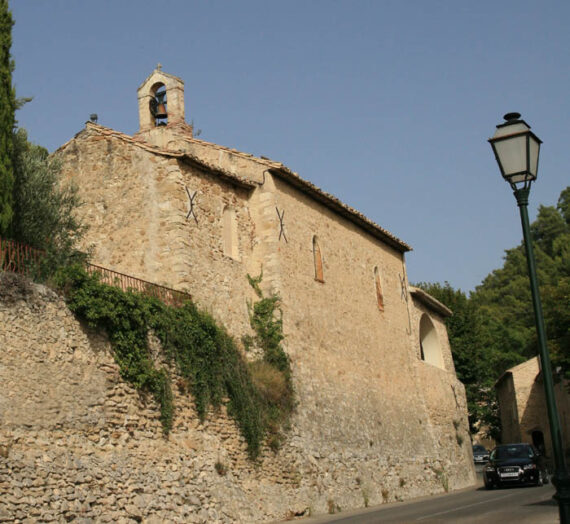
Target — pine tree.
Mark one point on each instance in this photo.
(7, 110)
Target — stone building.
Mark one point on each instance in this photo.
(371, 360)
(522, 406)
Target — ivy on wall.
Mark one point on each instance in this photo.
(260, 393)
(271, 374)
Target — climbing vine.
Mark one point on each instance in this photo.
(260, 393)
(272, 374)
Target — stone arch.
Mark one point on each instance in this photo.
(378, 286)
(230, 233)
(174, 88)
(318, 260)
(430, 346)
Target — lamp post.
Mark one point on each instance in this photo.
(516, 149)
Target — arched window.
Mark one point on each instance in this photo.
(158, 105)
(230, 233)
(378, 284)
(318, 259)
(429, 343)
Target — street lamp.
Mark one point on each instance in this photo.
(516, 149)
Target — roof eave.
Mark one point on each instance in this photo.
(431, 302)
(229, 177)
(184, 157)
(337, 206)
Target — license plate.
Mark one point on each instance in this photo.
(509, 475)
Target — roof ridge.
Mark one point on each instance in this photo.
(277, 168)
(289, 173)
(140, 142)
(250, 156)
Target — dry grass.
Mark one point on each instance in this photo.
(270, 382)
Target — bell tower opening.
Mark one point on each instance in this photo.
(158, 105)
(161, 106)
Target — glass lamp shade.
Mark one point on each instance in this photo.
(516, 149)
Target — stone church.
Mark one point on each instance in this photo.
(376, 386)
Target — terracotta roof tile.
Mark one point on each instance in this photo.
(276, 168)
(139, 142)
(329, 200)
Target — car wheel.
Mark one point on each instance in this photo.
(488, 485)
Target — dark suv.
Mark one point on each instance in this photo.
(515, 464)
(480, 454)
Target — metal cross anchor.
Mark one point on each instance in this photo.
(455, 396)
(404, 294)
(281, 225)
(191, 197)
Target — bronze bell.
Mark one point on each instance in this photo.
(160, 111)
(158, 105)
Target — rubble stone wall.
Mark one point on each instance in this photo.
(77, 442)
(373, 423)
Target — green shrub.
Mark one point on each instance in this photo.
(260, 394)
(125, 319)
(272, 374)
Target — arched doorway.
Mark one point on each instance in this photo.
(538, 441)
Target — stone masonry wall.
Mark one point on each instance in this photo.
(78, 443)
(349, 354)
(523, 406)
(374, 422)
(136, 205)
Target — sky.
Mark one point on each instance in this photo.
(386, 104)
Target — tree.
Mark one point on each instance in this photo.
(34, 207)
(556, 296)
(563, 205)
(7, 110)
(494, 329)
(505, 294)
(43, 206)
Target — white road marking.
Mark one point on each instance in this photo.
(463, 507)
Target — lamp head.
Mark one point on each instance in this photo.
(516, 149)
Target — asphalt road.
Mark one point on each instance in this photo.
(521, 505)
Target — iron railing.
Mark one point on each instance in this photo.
(129, 283)
(16, 257)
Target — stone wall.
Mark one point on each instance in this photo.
(136, 205)
(350, 354)
(522, 403)
(374, 422)
(77, 442)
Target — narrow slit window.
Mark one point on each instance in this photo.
(318, 259)
(378, 285)
(230, 233)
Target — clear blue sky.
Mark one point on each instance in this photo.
(385, 104)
